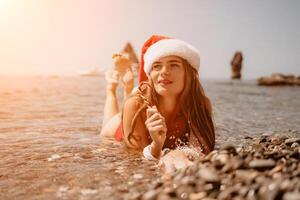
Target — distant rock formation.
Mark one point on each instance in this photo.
(279, 79)
(128, 49)
(236, 65)
(91, 73)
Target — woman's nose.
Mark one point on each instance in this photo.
(165, 70)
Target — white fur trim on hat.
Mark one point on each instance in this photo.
(171, 47)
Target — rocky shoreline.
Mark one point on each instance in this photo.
(279, 79)
(50, 149)
(266, 169)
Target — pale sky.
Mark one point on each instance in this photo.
(40, 37)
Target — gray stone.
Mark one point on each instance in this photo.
(295, 144)
(197, 196)
(150, 195)
(208, 175)
(262, 164)
(269, 191)
(229, 147)
(291, 196)
(290, 141)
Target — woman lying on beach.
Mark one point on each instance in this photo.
(168, 117)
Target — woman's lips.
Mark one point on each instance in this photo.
(165, 82)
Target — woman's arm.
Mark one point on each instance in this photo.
(134, 137)
(138, 137)
(157, 129)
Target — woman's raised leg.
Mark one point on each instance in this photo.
(111, 106)
(128, 83)
(122, 71)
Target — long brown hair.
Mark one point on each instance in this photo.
(196, 109)
(193, 103)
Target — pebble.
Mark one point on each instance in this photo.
(223, 158)
(291, 196)
(248, 137)
(246, 175)
(295, 144)
(138, 176)
(63, 189)
(208, 175)
(228, 193)
(150, 195)
(184, 195)
(196, 196)
(266, 169)
(229, 147)
(269, 192)
(262, 164)
(54, 157)
(86, 192)
(292, 140)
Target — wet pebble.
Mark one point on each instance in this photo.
(196, 196)
(266, 169)
(228, 193)
(269, 191)
(246, 175)
(262, 164)
(248, 137)
(86, 192)
(62, 191)
(54, 157)
(208, 175)
(133, 196)
(291, 196)
(223, 158)
(295, 144)
(123, 188)
(150, 195)
(229, 147)
(290, 141)
(138, 176)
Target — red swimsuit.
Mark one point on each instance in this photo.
(119, 133)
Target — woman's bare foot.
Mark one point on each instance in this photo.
(123, 66)
(122, 63)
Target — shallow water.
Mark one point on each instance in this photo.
(49, 135)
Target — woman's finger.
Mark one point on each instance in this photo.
(157, 129)
(151, 111)
(154, 129)
(154, 117)
(156, 122)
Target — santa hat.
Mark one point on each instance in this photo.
(157, 47)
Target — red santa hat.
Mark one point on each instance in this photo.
(158, 46)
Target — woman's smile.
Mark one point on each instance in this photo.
(165, 82)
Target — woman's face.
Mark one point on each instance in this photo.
(167, 75)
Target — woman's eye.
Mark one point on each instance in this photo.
(157, 67)
(174, 65)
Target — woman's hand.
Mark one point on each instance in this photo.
(157, 128)
(174, 160)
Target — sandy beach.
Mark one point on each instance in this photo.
(49, 135)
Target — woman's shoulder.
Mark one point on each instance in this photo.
(132, 103)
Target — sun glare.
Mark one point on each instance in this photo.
(6, 6)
